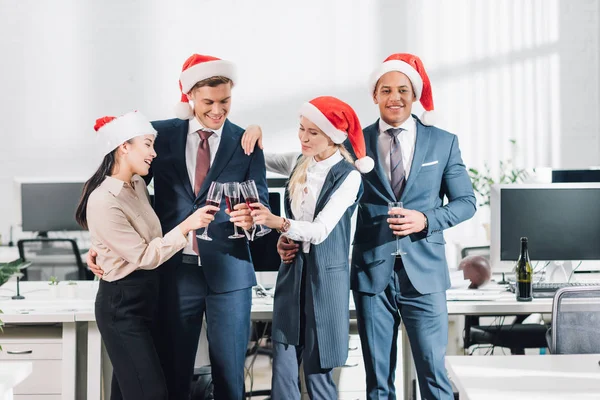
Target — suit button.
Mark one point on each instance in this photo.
(195, 206)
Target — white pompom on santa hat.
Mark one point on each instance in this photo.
(411, 66)
(339, 121)
(114, 131)
(197, 68)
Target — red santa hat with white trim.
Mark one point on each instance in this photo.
(411, 66)
(339, 121)
(114, 131)
(195, 69)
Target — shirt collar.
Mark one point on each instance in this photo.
(409, 125)
(115, 185)
(326, 164)
(195, 125)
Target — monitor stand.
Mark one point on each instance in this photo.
(559, 271)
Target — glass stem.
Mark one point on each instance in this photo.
(397, 244)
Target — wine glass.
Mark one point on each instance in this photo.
(251, 196)
(397, 204)
(232, 198)
(213, 198)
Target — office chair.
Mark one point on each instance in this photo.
(575, 321)
(515, 336)
(58, 257)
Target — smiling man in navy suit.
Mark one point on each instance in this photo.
(211, 278)
(419, 165)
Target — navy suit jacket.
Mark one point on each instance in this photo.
(437, 171)
(226, 262)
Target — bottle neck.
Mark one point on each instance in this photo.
(524, 251)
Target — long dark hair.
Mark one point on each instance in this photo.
(104, 170)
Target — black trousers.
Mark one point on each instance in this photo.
(126, 314)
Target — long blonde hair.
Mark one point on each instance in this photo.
(298, 178)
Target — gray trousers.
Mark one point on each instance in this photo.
(287, 359)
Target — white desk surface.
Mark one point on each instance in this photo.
(8, 254)
(547, 377)
(11, 374)
(41, 306)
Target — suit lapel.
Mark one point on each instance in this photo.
(372, 136)
(178, 151)
(229, 142)
(421, 145)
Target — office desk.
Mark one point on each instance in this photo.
(11, 374)
(82, 310)
(505, 304)
(546, 377)
(39, 307)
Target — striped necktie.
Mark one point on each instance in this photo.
(396, 166)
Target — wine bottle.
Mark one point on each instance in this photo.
(524, 274)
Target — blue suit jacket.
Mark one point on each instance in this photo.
(226, 262)
(437, 171)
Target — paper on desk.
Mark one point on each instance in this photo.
(457, 280)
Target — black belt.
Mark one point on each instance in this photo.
(189, 259)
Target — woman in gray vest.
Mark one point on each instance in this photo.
(310, 311)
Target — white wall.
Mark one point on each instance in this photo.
(523, 69)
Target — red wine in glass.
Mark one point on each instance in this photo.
(251, 200)
(212, 203)
(232, 198)
(213, 198)
(250, 193)
(232, 202)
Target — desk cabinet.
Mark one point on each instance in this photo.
(42, 345)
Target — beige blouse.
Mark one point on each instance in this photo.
(125, 231)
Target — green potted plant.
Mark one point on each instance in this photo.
(53, 286)
(72, 289)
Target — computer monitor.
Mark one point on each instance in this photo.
(264, 249)
(561, 222)
(575, 175)
(50, 206)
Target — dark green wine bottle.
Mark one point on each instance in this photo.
(524, 274)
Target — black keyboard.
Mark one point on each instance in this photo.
(547, 289)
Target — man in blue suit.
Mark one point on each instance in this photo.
(212, 278)
(418, 165)
(209, 278)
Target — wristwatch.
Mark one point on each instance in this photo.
(426, 223)
(285, 226)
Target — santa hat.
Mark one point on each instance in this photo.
(411, 66)
(195, 69)
(339, 121)
(114, 131)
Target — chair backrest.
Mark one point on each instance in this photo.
(59, 257)
(576, 320)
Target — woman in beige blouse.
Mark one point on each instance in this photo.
(127, 236)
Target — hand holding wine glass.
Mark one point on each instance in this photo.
(250, 193)
(200, 218)
(213, 200)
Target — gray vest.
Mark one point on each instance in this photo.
(327, 280)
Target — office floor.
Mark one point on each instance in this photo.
(260, 375)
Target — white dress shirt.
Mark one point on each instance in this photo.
(306, 227)
(191, 152)
(407, 139)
